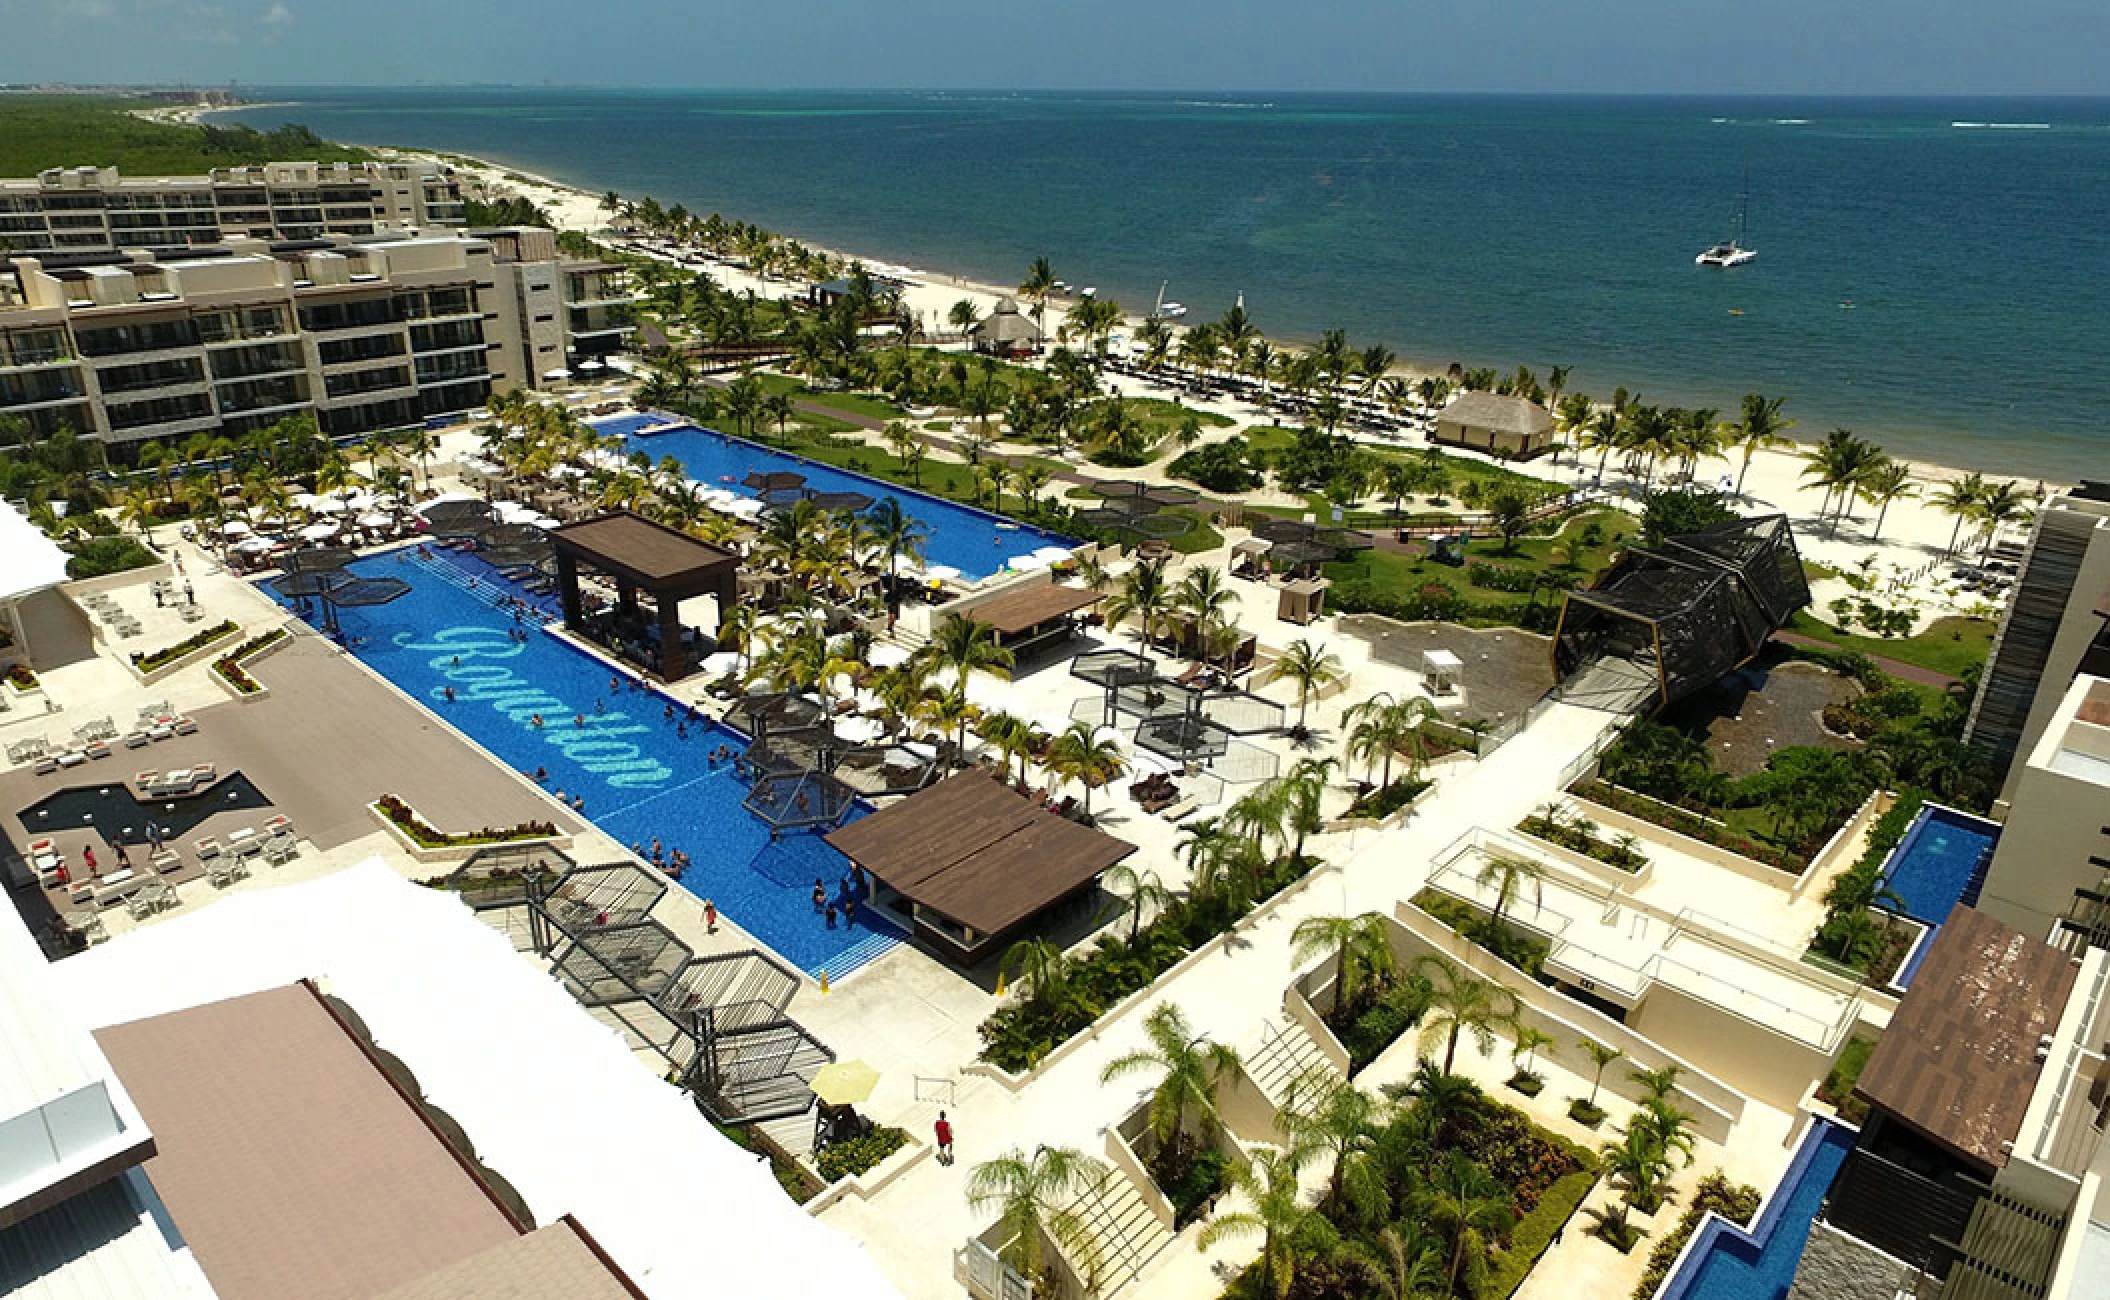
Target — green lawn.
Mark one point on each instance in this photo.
(40, 131)
(1534, 553)
(946, 478)
(1947, 645)
(1161, 417)
(871, 408)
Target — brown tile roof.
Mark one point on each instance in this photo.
(1018, 611)
(290, 1163)
(550, 1263)
(972, 849)
(1959, 1060)
(639, 546)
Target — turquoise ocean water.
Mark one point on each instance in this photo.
(1972, 237)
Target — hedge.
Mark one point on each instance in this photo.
(1534, 1233)
(843, 1159)
(147, 663)
(427, 836)
(229, 665)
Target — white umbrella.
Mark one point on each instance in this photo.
(591, 365)
(333, 507)
(443, 498)
(317, 532)
(745, 508)
(513, 512)
(559, 373)
(886, 655)
(724, 661)
(1053, 554)
(1025, 563)
(233, 528)
(856, 730)
(305, 500)
(254, 545)
(376, 520)
(941, 573)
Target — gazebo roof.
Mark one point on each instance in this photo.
(640, 549)
(972, 849)
(1499, 413)
(1023, 610)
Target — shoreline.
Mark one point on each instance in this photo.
(574, 207)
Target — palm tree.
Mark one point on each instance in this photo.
(1342, 1124)
(895, 534)
(1203, 598)
(1011, 735)
(1601, 1055)
(1137, 890)
(1634, 1162)
(1289, 1228)
(1526, 1044)
(2002, 504)
(1359, 947)
(1760, 429)
(1959, 498)
(963, 645)
(949, 710)
(1037, 287)
(1470, 1210)
(1381, 726)
(1143, 596)
(1313, 668)
(1190, 1069)
(1885, 482)
(1038, 968)
(1461, 1003)
(1084, 756)
(1840, 464)
(1508, 876)
(964, 315)
(1034, 1196)
(1403, 1267)
(1666, 1128)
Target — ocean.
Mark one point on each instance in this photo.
(1934, 274)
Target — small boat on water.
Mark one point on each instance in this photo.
(1731, 252)
(1164, 310)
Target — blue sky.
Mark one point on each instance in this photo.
(1676, 46)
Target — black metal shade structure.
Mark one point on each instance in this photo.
(337, 589)
(459, 518)
(1117, 489)
(799, 800)
(772, 480)
(850, 501)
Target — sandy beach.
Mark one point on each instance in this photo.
(1906, 557)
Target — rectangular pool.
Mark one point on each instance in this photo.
(1724, 1262)
(975, 542)
(1940, 862)
(622, 750)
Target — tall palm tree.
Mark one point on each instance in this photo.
(1082, 755)
(1038, 969)
(897, 535)
(1313, 668)
(1143, 596)
(1405, 1266)
(1034, 1196)
(1190, 1070)
(1959, 499)
(1601, 1055)
(1524, 1048)
(1341, 1122)
(1888, 481)
(963, 645)
(1762, 428)
(1289, 1228)
(1839, 465)
(1360, 949)
(964, 315)
(2002, 504)
(1380, 727)
(1037, 287)
(1202, 597)
(1634, 1162)
(1509, 876)
(1461, 1003)
(1470, 1211)
(1011, 735)
(949, 710)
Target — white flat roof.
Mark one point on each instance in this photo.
(552, 1099)
(29, 561)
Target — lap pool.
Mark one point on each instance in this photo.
(1724, 1262)
(1940, 862)
(975, 542)
(640, 778)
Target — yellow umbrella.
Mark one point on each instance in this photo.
(845, 1083)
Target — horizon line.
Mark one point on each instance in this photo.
(1015, 92)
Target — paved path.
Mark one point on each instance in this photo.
(1902, 671)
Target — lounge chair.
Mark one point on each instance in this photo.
(166, 862)
(137, 740)
(185, 726)
(208, 847)
(278, 824)
(46, 764)
(97, 749)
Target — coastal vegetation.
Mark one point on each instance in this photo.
(102, 130)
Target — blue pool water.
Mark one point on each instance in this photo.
(973, 541)
(1939, 862)
(1726, 1263)
(639, 778)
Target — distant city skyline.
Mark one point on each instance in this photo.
(1785, 47)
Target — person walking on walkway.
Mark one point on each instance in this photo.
(942, 1130)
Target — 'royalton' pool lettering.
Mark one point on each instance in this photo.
(456, 652)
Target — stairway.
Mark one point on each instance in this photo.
(1125, 1234)
(488, 589)
(1285, 1054)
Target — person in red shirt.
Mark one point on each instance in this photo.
(943, 1131)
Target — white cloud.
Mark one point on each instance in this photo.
(278, 17)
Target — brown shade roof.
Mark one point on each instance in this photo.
(639, 548)
(284, 1154)
(551, 1263)
(1958, 1062)
(972, 849)
(1499, 413)
(1018, 611)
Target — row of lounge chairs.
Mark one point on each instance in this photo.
(110, 614)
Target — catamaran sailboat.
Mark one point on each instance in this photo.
(1163, 310)
(1731, 252)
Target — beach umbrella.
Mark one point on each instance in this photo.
(233, 528)
(319, 532)
(888, 655)
(254, 545)
(724, 661)
(940, 573)
(1053, 554)
(857, 731)
(375, 520)
(560, 373)
(333, 506)
(1025, 563)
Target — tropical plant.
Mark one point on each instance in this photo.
(963, 645)
(1359, 945)
(1289, 1228)
(1601, 1055)
(1035, 1197)
(1038, 968)
(1762, 428)
(1470, 1211)
(1509, 875)
(1081, 754)
(1313, 668)
(1137, 890)
(1383, 726)
(1884, 483)
(1461, 1003)
(1190, 1070)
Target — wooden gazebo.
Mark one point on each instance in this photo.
(641, 556)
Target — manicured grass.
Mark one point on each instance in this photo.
(946, 478)
(1947, 645)
(1161, 417)
(1531, 553)
(870, 408)
(40, 131)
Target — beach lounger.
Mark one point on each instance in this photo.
(279, 824)
(185, 726)
(97, 749)
(208, 847)
(1184, 808)
(72, 758)
(47, 764)
(145, 780)
(137, 740)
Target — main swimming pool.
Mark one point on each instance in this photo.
(640, 777)
(975, 542)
